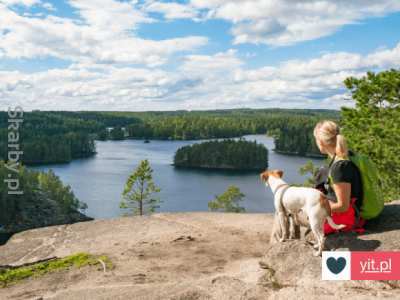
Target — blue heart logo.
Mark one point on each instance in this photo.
(336, 266)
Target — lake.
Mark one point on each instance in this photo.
(100, 180)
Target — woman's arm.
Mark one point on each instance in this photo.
(342, 191)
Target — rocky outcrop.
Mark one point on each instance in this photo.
(41, 211)
(177, 256)
(293, 264)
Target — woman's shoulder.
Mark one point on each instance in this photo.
(343, 171)
(343, 165)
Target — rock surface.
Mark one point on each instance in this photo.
(180, 256)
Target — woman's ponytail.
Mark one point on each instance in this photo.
(341, 147)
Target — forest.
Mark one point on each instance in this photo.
(294, 134)
(299, 139)
(237, 114)
(45, 137)
(59, 136)
(225, 154)
(200, 127)
(30, 182)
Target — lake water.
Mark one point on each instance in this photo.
(100, 180)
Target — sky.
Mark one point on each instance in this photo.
(109, 55)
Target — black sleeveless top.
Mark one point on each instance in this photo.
(342, 171)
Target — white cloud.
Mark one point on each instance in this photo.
(49, 6)
(110, 15)
(211, 64)
(284, 22)
(379, 49)
(106, 37)
(171, 10)
(23, 2)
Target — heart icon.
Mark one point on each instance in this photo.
(336, 266)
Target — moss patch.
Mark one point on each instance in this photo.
(276, 286)
(10, 276)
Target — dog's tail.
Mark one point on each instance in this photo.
(323, 201)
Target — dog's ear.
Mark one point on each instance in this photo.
(279, 173)
(264, 176)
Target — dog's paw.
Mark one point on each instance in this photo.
(316, 246)
(316, 254)
(282, 240)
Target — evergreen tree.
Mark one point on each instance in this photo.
(227, 200)
(142, 204)
(102, 135)
(309, 168)
(117, 133)
(372, 128)
(83, 207)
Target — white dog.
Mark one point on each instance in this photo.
(295, 199)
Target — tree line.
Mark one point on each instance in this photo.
(223, 154)
(39, 147)
(201, 127)
(237, 114)
(108, 119)
(47, 138)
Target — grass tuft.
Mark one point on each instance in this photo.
(9, 276)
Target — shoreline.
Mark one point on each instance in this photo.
(222, 169)
(300, 154)
(60, 161)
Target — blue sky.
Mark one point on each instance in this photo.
(195, 54)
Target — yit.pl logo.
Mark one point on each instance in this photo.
(366, 265)
(380, 265)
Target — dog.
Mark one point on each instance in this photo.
(311, 201)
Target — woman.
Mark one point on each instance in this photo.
(347, 184)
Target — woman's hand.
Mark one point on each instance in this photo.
(342, 191)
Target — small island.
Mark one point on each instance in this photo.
(225, 154)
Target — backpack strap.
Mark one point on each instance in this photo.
(329, 180)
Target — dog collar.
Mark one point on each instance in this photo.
(279, 186)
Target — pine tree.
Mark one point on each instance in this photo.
(372, 128)
(227, 200)
(143, 204)
(309, 168)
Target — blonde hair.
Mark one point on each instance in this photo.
(329, 133)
